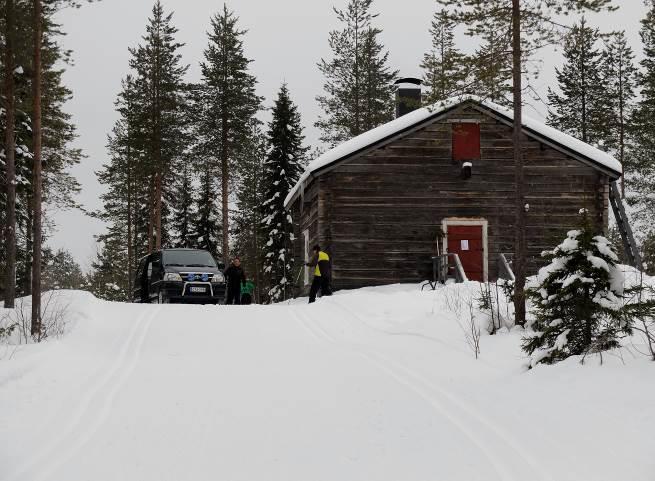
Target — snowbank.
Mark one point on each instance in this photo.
(376, 383)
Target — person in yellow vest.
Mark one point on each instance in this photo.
(320, 261)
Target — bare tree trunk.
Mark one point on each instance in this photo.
(10, 158)
(151, 214)
(519, 246)
(225, 190)
(130, 250)
(621, 128)
(26, 278)
(37, 181)
(158, 202)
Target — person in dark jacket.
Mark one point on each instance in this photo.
(320, 261)
(235, 278)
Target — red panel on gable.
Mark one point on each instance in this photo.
(466, 141)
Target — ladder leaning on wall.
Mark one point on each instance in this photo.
(623, 224)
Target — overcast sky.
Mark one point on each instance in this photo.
(286, 38)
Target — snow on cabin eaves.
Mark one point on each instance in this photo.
(423, 115)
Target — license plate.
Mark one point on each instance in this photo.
(198, 289)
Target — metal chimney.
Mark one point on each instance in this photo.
(408, 95)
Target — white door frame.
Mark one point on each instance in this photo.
(472, 221)
(305, 236)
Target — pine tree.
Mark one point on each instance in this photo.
(533, 24)
(492, 65)
(282, 170)
(9, 156)
(57, 130)
(581, 269)
(37, 184)
(162, 92)
(445, 67)
(206, 222)
(578, 110)
(358, 91)
(642, 155)
(230, 103)
(618, 76)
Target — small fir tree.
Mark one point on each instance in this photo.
(109, 276)
(282, 170)
(577, 299)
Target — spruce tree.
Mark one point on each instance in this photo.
(228, 93)
(248, 232)
(578, 110)
(618, 76)
(577, 299)
(61, 271)
(183, 194)
(108, 279)
(283, 167)
(358, 90)
(445, 68)
(642, 155)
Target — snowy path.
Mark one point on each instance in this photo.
(332, 391)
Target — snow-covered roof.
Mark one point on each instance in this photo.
(419, 116)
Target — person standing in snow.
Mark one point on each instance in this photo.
(235, 278)
(321, 263)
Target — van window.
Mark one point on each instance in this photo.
(190, 258)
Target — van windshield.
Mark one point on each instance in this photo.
(188, 259)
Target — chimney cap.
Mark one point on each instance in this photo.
(408, 82)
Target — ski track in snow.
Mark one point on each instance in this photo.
(87, 421)
(446, 404)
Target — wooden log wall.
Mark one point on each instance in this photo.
(378, 214)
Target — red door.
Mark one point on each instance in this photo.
(466, 241)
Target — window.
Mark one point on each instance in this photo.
(466, 141)
(188, 258)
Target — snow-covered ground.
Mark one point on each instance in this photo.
(373, 384)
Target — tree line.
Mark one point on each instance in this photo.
(37, 136)
(192, 165)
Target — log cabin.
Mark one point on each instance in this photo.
(440, 179)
